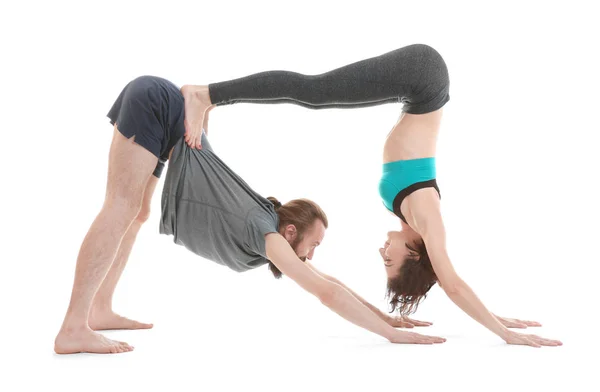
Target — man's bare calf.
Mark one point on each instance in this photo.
(102, 316)
(129, 171)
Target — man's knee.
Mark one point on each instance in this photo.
(122, 210)
(143, 215)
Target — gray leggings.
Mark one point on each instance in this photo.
(415, 75)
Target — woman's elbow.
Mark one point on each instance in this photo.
(452, 286)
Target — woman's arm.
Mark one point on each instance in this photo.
(334, 296)
(425, 217)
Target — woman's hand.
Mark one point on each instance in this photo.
(404, 337)
(405, 322)
(516, 323)
(529, 340)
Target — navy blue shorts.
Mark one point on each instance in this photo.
(151, 109)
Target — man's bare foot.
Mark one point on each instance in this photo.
(87, 341)
(111, 320)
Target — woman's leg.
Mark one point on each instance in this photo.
(415, 75)
(402, 75)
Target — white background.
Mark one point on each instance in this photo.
(517, 165)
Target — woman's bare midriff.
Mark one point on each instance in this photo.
(413, 136)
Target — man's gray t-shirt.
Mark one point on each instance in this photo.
(211, 211)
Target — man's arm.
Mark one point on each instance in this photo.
(334, 296)
(394, 321)
(385, 317)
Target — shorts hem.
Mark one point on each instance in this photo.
(140, 140)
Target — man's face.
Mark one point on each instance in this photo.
(304, 245)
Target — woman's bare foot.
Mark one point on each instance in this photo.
(87, 341)
(110, 320)
(197, 105)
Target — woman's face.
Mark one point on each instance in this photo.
(394, 250)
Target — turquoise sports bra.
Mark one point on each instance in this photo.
(401, 178)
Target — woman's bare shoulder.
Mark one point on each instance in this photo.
(422, 210)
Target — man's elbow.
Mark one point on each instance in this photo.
(328, 293)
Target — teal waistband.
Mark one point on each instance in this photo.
(411, 165)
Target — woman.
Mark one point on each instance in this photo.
(415, 257)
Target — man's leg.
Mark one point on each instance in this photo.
(102, 315)
(129, 168)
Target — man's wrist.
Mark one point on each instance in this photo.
(504, 332)
(386, 317)
(390, 333)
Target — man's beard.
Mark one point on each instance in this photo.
(294, 244)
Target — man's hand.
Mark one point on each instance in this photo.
(405, 322)
(414, 338)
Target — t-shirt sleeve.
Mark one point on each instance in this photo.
(258, 224)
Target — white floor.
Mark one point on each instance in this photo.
(191, 359)
(221, 352)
